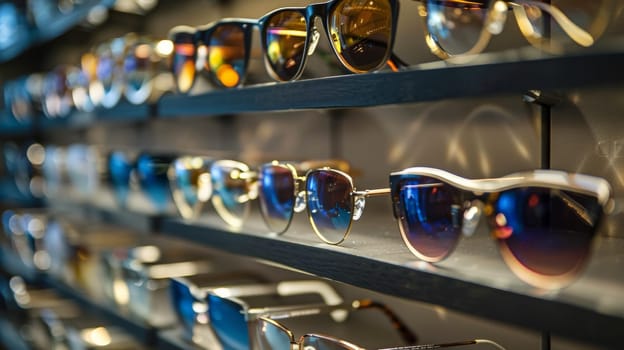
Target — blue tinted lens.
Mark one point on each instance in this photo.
(119, 169)
(152, 174)
(268, 336)
(330, 205)
(430, 215)
(547, 231)
(277, 196)
(228, 322)
(183, 302)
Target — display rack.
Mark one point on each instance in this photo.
(377, 260)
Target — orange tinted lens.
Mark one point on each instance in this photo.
(362, 33)
(285, 36)
(226, 55)
(183, 61)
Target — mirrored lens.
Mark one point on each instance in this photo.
(322, 343)
(120, 168)
(285, 40)
(138, 71)
(456, 26)
(277, 196)
(227, 319)
(227, 55)
(190, 183)
(362, 33)
(183, 61)
(152, 175)
(545, 231)
(230, 191)
(270, 336)
(183, 302)
(430, 215)
(330, 205)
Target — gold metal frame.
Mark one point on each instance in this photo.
(355, 196)
(243, 172)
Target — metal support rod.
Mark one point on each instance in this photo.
(545, 135)
(545, 340)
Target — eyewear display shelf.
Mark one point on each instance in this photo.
(474, 280)
(141, 331)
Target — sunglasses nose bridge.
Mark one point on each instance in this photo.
(204, 187)
(300, 201)
(471, 217)
(314, 40)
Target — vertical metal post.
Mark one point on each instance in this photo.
(545, 136)
(545, 340)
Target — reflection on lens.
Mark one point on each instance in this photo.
(430, 216)
(183, 301)
(183, 61)
(227, 55)
(277, 196)
(319, 342)
(227, 318)
(189, 178)
(285, 40)
(270, 336)
(361, 33)
(330, 205)
(456, 26)
(152, 175)
(230, 191)
(545, 231)
(138, 72)
(120, 168)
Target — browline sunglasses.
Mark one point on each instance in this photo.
(228, 316)
(361, 34)
(534, 216)
(457, 28)
(270, 334)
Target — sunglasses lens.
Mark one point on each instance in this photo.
(183, 61)
(231, 192)
(119, 170)
(456, 26)
(270, 336)
(189, 178)
(430, 215)
(285, 39)
(226, 55)
(545, 231)
(277, 196)
(321, 343)
(183, 303)
(363, 33)
(152, 175)
(330, 205)
(227, 319)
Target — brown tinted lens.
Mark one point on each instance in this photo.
(285, 38)
(183, 61)
(226, 55)
(361, 33)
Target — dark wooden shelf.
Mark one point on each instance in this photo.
(490, 75)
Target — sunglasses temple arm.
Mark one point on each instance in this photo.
(449, 345)
(408, 335)
(396, 63)
(338, 312)
(576, 33)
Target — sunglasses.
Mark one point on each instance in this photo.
(543, 221)
(455, 28)
(151, 172)
(144, 67)
(56, 100)
(191, 184)
(271, 334)
(281, 190)
(362, 35)
(228, 315)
